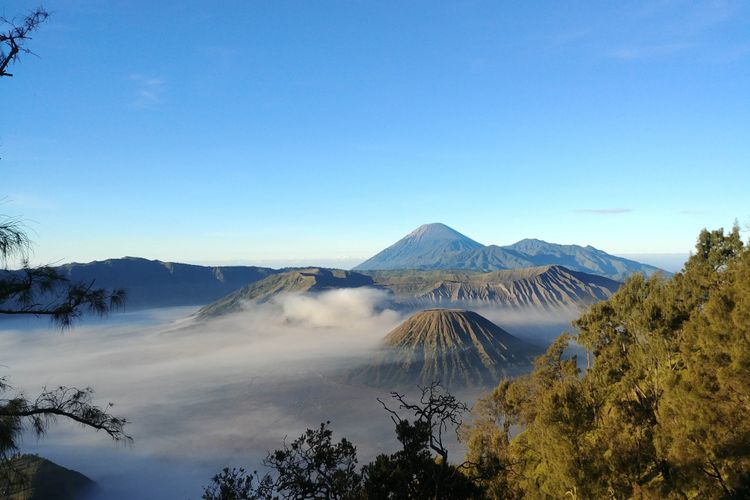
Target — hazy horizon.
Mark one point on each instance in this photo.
(311, 132)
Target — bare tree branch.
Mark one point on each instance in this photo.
(437, 409)
(13, 41)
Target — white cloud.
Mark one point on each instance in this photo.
(149, 89)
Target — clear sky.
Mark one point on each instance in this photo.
(274, 131)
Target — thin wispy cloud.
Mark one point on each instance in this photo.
(603, 211)
(672, 27)
(692, 212)
(700, 17)
(635, 52)
(149, 89)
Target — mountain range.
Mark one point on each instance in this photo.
(433, 264)
(153, 283)
(545, 287)
(437, 246)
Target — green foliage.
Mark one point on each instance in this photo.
(314, 467)
(42, 291)
(661, 412)
(236, 484)
(413, 471)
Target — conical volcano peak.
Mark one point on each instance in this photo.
(449, 328)
(455, 346)
(426, 244)
(438, 231)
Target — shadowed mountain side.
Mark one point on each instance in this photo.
(456, 347)
(153, 283)
(45, 480)
(436, 246)
(296, 281)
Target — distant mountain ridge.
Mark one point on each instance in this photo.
(153, 283)
(432, 247)
(437, 246)
(545, 287)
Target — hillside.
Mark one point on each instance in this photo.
(35, 478)
(457, 347)
(295, 281)
(578, 258)
(436, 246)
(153, 283)
(545, 287)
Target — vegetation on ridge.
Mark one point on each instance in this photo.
(661, 411)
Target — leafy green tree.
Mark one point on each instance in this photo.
(704, 430)
(660, 411)
(413, 471)
(313, 466)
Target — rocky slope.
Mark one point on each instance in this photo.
(456, 347)
(542, 288)
(546, 287)
(35, 478)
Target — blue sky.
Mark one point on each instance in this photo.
(275, 131)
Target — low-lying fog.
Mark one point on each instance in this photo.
(201, 396)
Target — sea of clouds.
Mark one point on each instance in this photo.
(202, 395)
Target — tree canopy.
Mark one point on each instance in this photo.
(661, 412)
(314, 467)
